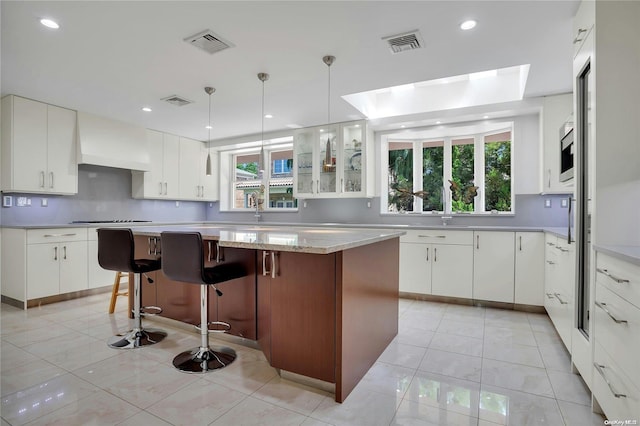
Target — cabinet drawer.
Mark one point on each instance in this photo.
(436, 236)
(617, 325)
(56, 235)
(617, 396)
(621, 277)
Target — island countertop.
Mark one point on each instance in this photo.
(294, 239)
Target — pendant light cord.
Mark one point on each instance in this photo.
(262, 133)
(209, 128)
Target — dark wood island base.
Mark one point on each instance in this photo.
(324, 316)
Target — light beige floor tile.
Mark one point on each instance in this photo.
(444, 392)
(44, 398)
(387, 379)
(414, 413)
(514, 353)
(291, 395)
(28, 375)
(99, 408)
(361, 407)
(556, 357)
(413, 336)
(198, 403)
(509, 407)
(513, 323)
(11, 356)
(144, 419)
(314, 422)
(420, 320)
(517, 377)
(451, 364)
(462, 328)
(403, 355)
(499, 335)
(39, 335)
(252, 411)
(548, 339)
(244, 375)
(579, 415)
(570, 387)
(458, 344)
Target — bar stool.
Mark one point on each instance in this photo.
(116, 253)
(183, 260)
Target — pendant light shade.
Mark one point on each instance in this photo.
(208, 167)
(261, 161)
(328, 160)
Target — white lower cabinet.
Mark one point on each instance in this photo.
(437, 262)
(98, 277)
(493, 266)
(529, 268)
(616, 316)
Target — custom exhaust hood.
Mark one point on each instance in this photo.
(111, 143)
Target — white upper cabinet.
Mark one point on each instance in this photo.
(161, 181)
(556, 118)
(194, 182)
(331, 161)
(209, 184)
(38, 147)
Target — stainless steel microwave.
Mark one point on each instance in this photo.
(566, 157)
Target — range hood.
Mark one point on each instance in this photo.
(111, 143)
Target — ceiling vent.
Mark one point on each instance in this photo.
(177, 100)
(208, 41)
(403, 42)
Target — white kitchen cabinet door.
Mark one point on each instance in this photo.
(529, 268)
(452, 271)
(97, 277)
(171, 165)
(62, 166)
(153, 179)
(28, 146)
(556, 111)
(42, 270)
(190, 159)
(493, 266)
(73, 266)
(415, 268)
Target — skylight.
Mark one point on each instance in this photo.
(461, 91)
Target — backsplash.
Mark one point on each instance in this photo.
(105, 193)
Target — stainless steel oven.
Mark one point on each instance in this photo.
(566, 157)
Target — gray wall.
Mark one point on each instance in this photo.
(105, 193)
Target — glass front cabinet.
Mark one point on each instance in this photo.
(331, 161)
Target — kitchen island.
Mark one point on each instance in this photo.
(321, 303)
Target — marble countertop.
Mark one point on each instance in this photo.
(316, 240)
(629, 254)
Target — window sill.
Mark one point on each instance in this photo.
(440, 214)
(282, 210)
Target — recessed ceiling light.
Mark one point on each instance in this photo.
(49, 23)
(268, 116)
(321, 130)
(438, 122)
(403, 126)
(485, 117)
(146, 109)
(468, 25)
(208, 127)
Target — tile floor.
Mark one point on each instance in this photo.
(449, 365)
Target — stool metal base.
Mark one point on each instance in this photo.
(204, 359)
(136, 338)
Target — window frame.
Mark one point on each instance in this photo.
(479, 169)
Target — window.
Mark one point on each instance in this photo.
(453, 174)
(278, 190)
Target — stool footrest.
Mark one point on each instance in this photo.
(226, 327)
(204, 359)
(136, 338)
(150, 311)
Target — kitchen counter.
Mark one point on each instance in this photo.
(629, 254)
(316, 240)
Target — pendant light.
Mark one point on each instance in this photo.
(328, 159)
(209, 91)
(262, 77)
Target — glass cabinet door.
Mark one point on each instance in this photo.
(352, 158)
(304, 161)
(326, 141)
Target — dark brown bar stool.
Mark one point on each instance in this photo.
(116, 253)
(183, 260)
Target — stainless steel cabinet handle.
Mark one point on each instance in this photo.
(274, 264)
(432, 236)
(578, 39)
(520, 237)
(549, 178)
(551, 244)
(265, 271)
(160, 188)
(59, 235)
(219, 253)
(562, 302)
(478, 241)
(64, 252)
(551, 262)
(341, 184)
(569, 220)
(427, 254)
(562, 249)
(165, 188)
(613, 390)
(603, 306)
(550, 296)
(210, 248)
(318, 186)
(435, 254)
(41, 179)
(55, 253)
(157, 247)
(51, 180)
(613, 277)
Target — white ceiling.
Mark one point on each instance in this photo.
(112, 58)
